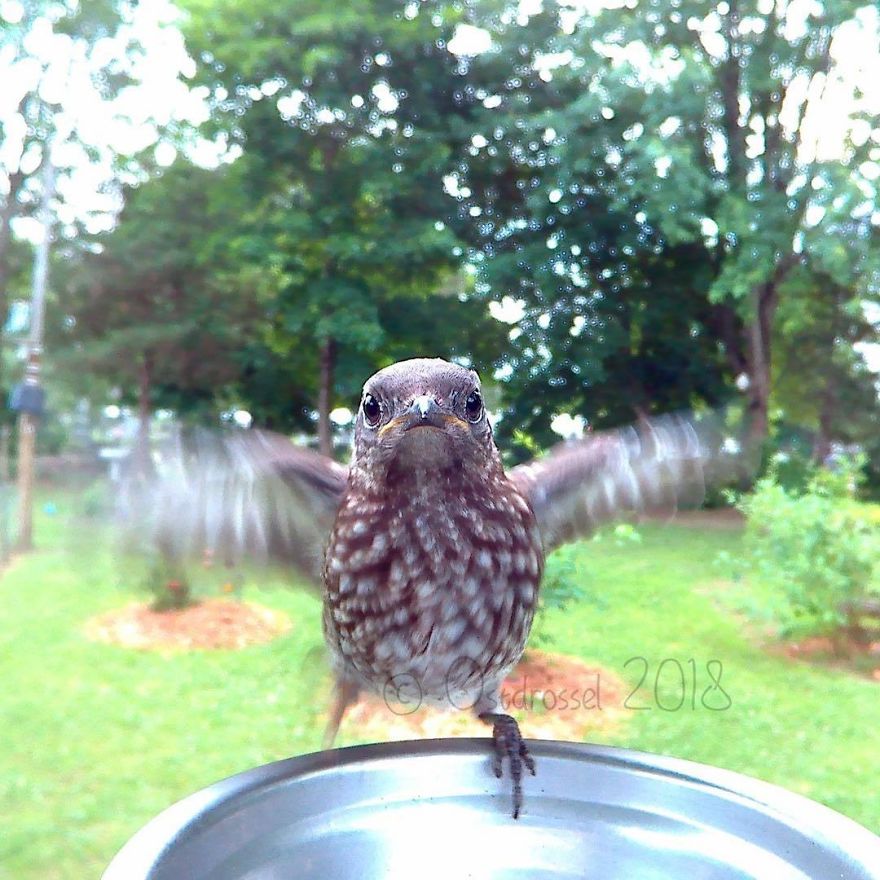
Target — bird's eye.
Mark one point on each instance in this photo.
(473, 406)
(372, 410)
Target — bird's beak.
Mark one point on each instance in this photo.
(423, 412)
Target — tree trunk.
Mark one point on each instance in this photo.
(325, 397)
(759, 331)
(143, 461)
(725, 323)
(827, 411)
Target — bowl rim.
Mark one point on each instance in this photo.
(145, 849)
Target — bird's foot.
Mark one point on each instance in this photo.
(509, 743)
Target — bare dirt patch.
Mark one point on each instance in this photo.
(714, 518)
(850, 651)
(551, 696)
(845, 652)
(209, 625)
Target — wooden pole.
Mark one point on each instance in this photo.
(5, 492)
(27, 435)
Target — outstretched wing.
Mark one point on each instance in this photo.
(240, 495)
(659, 465)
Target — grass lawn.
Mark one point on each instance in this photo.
(95, 739)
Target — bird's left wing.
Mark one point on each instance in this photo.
(240, 495)
(659, 465)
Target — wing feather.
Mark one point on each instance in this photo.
(239, 495)
(659, 465)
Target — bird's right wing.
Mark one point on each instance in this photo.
(239, 495)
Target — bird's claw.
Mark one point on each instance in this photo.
(509, 743)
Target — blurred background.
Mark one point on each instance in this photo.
(227, 213)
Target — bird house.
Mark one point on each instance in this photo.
(28, 397)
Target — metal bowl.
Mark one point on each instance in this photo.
(433, 809)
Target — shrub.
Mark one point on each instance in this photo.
(170, 587)
(95, 501)
(813, 552)
(559, 589)
(565, 582)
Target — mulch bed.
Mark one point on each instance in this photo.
(552, 696)
(209, 625)
(859, 656)
(850, 654)
(722, 518)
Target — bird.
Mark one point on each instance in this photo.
(428, 553)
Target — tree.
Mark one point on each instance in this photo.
(159, 304)
(344, 116)
(346, 245)
(609, 319)
(45, 48)
(733, 149)
(646, 183)
(820, 378)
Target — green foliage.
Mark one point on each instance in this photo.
(52, 435)
(793, 470)
(820, 379)
(527, 442)
(347, 206)
(813, 551)
(568, 205)
(561, 590)
(567, 583)
(157, 304)
(95, 501)
(638, 204)
(626, 200)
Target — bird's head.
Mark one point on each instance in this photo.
(423, 414)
